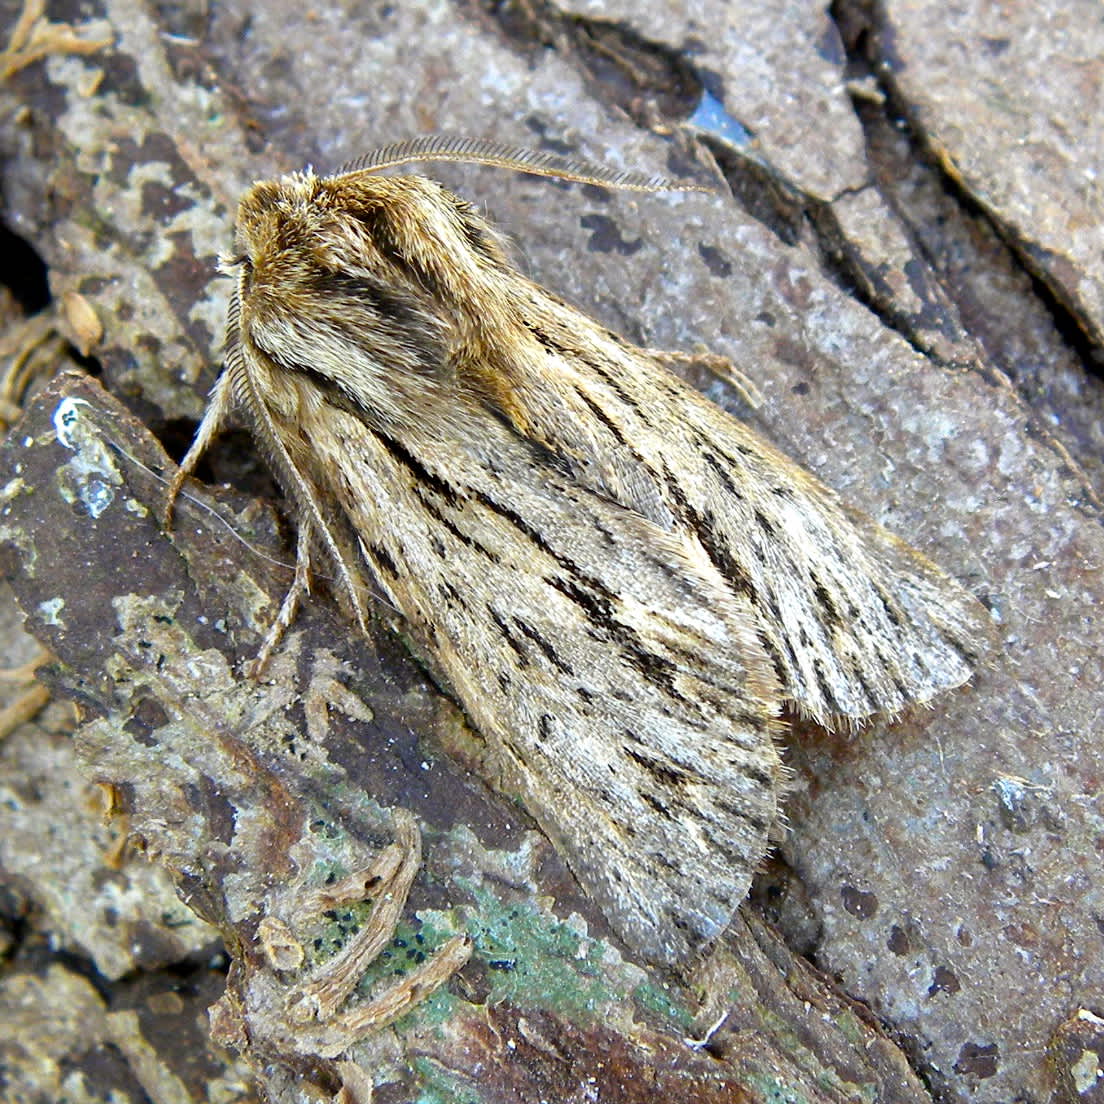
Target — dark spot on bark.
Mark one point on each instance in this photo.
(715, 260)
(978, 1059)
(858, 902)
(944, 980)
(147, 717)
(183, 280)
(606, 236)
(162, 203)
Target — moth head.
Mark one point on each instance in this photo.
(408, 232)
(353, 283)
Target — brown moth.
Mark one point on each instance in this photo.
(619, 582)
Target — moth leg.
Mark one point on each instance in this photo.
(715, 365)
(300, 586)
(215, 417)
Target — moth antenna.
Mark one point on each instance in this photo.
(486, 151)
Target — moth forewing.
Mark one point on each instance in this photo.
(568, 649)
(620, 583)
(854, 621)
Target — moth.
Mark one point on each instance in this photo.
(620, 583)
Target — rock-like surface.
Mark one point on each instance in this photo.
(256, 796)
(923, 343)
(1011, 101)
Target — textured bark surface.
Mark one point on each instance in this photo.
(253, 795)
(905, 266)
